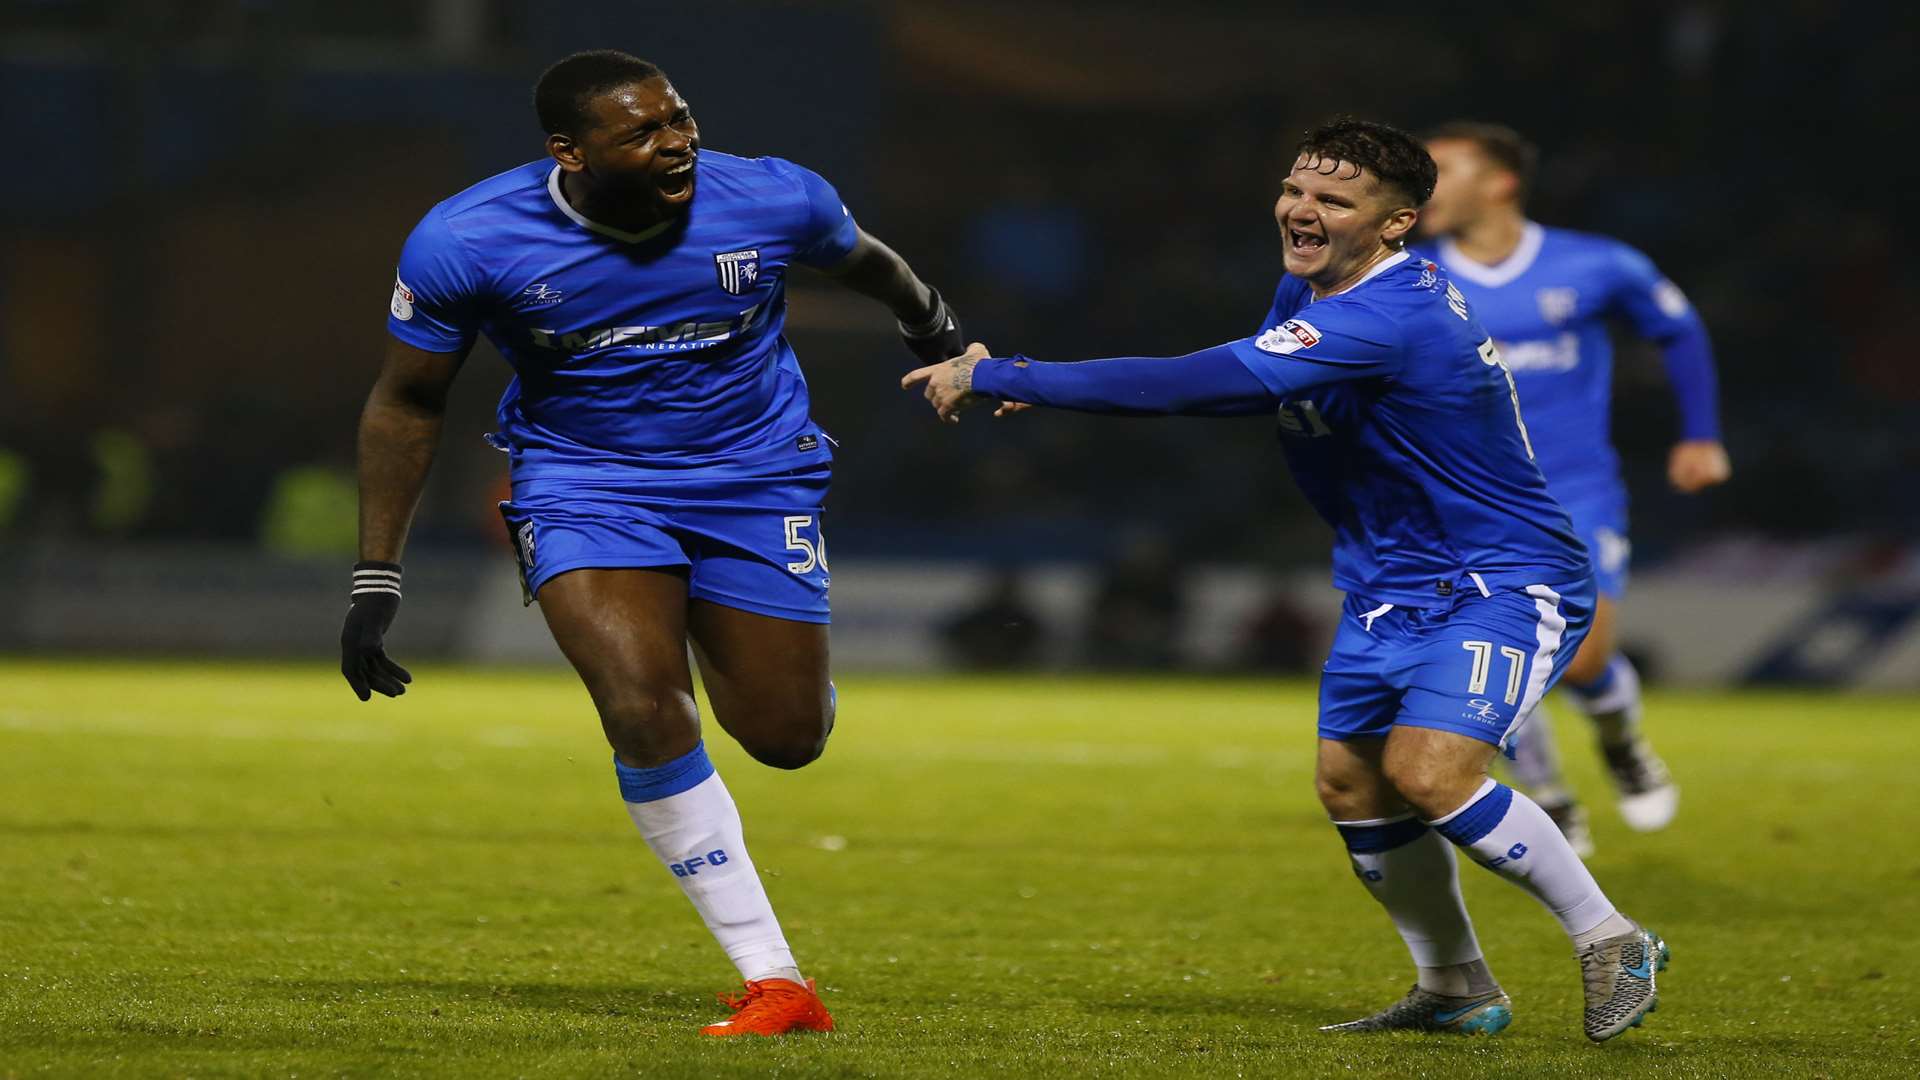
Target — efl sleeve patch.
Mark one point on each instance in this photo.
(1289, 337)
(402, 305)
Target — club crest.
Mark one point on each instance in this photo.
(737, 269)
(1557, 305)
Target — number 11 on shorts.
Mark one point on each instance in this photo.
(1483, 660)
(814, 552)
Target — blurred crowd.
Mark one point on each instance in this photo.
(186, 328)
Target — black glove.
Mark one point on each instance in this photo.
(363, 650)
(939, 337)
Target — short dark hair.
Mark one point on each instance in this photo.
(562, 94)
(1498, 143)
(1394, 157)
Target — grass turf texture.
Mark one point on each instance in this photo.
(240, 871)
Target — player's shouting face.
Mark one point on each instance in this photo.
(635, 148)
(1337, 220)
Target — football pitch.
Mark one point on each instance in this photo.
(238, 870)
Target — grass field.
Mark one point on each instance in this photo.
(240, 871)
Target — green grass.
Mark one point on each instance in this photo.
(240, 871)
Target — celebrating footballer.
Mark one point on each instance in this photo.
(667, 480)
(1468, 591)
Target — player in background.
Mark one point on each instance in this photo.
(667, 481)
(1467, 590)
(1547, 295)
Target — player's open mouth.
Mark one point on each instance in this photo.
(678, 180)
(1304, 243)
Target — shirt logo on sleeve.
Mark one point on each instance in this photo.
(1289, 337)
(402, 305)
(1673, 302)
(738, 269)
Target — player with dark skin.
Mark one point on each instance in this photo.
(625, 630)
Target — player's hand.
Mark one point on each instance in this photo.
(936, 337)
(1697, 464)
(363, 650)
(949, 385)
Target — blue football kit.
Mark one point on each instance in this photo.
(657, 417)
(1468, 590)
(1548, 306)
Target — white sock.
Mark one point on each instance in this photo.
(1413, 873)
(1508, 833)
(1536, 758)
(687, 817)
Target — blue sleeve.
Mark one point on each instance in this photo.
(1660, 313)
(436, 296)
(1343, 341)
(827, 232)
(1696, 386)
(1211, 382)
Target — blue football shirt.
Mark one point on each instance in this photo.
(1404, 430)
(1548, 306)
(658, 351)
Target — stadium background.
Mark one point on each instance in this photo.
(222, 868)
(208, 199)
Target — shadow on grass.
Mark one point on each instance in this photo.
(384, 832)
(584, 999)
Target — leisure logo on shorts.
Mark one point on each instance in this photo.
(1289, 337)
(1483, 711)
(738, 269)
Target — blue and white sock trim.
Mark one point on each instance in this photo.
(1375, 835)
(664, 781)
(1617, 688)
(1478, 816)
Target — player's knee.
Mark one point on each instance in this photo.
(644, 723)
(1430, 787)
(788, 751)
(1347, 796)
(792, 737)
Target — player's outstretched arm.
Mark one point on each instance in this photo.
(399, 431)
(1211, 382)
(927, 324)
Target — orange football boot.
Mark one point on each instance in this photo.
(773, 1007)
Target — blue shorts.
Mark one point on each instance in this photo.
(1476, 666)
(748, 543)
(1601, 524)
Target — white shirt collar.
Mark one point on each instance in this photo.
(560, 200)
(1379, 268)
(1516, 263)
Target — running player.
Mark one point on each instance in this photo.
(1547, 295)
(667, 479)
(1467, 590)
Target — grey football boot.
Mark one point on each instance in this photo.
(1424, 1010)
(1619, 977)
